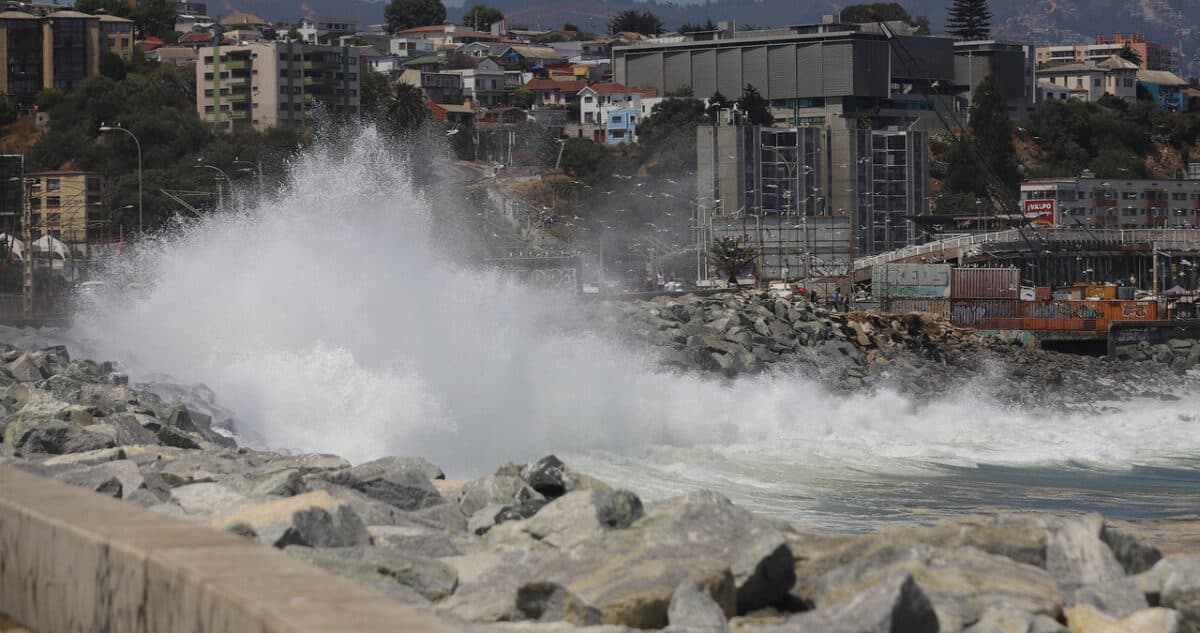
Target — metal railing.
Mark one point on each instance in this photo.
(1104, 236)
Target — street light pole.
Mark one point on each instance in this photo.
(111, 128)
(257, 167)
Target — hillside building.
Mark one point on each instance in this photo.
(275, 84)
(57, 50)
(1154, 56)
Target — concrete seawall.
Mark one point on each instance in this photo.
(74, 561)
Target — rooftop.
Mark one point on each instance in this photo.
(238, 17)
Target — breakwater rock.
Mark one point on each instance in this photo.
(543, 547)
(773, 332)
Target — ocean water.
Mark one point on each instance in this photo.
(334, 316)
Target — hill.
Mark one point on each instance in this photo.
(1037, 21)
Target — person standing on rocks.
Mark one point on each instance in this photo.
(836, 299)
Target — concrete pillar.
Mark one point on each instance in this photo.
(93, 47)
(47, 55)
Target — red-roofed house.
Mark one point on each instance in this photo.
(547, 92)
(463, 115)
(598, 99)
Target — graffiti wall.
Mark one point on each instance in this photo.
(558, 274)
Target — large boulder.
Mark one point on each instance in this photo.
(385, 465)
(580, 515)
(419, 539)
(961, 582)
(502, 490)
(629, 575)
(314, 519)
(1174, 582)
(431, 578)
(54, 437)
(118, 479)
(1085, 618)
(694, 609)
(29, 367)
(1116, 598)
(207, 500)
(1134, 555)
(392, 481)
(895, 603)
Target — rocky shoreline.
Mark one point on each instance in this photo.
(773, 332)
(541, 547)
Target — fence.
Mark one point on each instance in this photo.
(1064, 316)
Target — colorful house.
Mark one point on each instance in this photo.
(621, 126)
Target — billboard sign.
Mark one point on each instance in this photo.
(911, 280)
(1040, 212)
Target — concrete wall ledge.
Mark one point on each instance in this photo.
(73, 561)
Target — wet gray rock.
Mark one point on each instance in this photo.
(118, 479)
(1134, 555)
(395, 483)
(54, 438)
(502, 490)
(1117, 597)
(895, 604)
(313, 519)
(695, 610)
(431, 578)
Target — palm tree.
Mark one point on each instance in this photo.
(405, 110)
(730, 257)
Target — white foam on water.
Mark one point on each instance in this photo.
(331, 319)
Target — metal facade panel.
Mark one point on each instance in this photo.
(986, 283)
(645, 71)
(837, 69)
(810, 69)
(619, 68)
(871, 62)
(704, 74)
(729, 72)
(677, 70)
(754, 68)
(781, 69)
(928, 58)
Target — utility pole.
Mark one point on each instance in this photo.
(27, 260)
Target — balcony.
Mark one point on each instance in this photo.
(238, 64)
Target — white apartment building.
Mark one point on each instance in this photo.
(274, 84)
(598, 100)
(1113, 203)
(483, 84)
(411, 47)
(1090, 81)
(313, 28)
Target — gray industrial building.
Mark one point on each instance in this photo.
(815, 74)
(811, 198)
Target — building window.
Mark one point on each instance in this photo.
(53, 184)
(53, 202)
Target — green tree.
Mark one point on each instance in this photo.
(969, 20)
(1128, 54)
(373, 94)
(985, 165)
(269, 34)
(668, 136)
(8, 114)
(155, 17)
(730, 257)
(716, 103)
(697, 28)
(408, 14)
(875, 12)
(481, 17)
(754, 107)
(293, 34)
(523, 98)
(570, 26)
(636, 21)
(586, 161)
(405, 109)
(112, 66)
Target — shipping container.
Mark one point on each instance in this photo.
(1098, 291)
(940, 307)
(1044, 293)
(1069, 293)
(1126, 293)
(911, 280)
(985, 283)
(1014, 314)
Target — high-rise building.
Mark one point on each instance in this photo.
(117, 35)
(66, 205)
(57, 50)
(275, 84)
(813, 196)
(818, 74)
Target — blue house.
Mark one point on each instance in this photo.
(1166, 88)
(621, 126)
